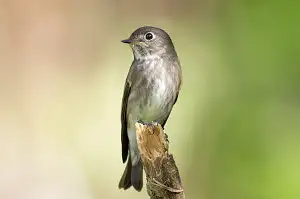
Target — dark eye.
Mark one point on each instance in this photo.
(149, 36)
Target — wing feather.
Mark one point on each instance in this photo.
(124, 135)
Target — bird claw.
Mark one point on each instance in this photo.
(166, 137)
(155, 122)
(140, 122)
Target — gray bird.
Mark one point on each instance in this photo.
(151, 89)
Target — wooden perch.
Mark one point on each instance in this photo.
(163, 179)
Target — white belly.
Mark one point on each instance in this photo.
(152, 103)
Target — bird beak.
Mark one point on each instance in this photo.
(126, 41)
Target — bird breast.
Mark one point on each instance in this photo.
(156, 89)
(159, 81)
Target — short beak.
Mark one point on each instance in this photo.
(126, 41)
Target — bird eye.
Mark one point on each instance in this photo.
(149, 36)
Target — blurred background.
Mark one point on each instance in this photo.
(234, 131)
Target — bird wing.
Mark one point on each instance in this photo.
(124, 136)
(165, 121)
(180, 83)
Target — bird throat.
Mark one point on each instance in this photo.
(141, 53)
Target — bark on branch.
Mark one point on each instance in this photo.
(163, 179)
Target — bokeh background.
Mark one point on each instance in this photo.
(234, 132)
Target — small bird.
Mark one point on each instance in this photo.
(151, 89)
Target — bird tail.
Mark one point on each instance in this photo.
(132, 176)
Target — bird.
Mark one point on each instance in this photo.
(151, 89)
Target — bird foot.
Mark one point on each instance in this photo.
(166, 138)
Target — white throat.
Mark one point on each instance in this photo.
(149, 56)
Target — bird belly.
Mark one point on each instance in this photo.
(153, 103)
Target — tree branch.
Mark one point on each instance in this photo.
(163, 179)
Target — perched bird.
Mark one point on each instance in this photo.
(151, 89)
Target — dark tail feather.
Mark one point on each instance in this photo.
(125, 181)
(133, 175)
(137, 176)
